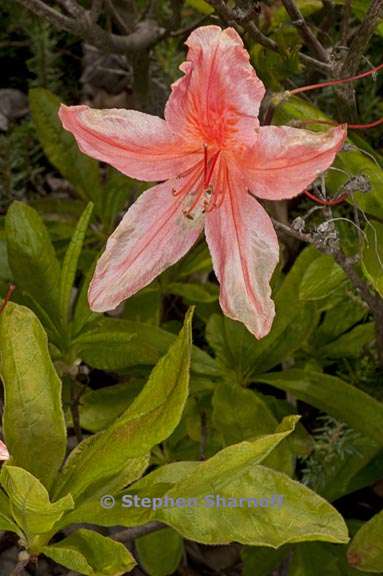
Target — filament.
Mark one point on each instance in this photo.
(370, 72)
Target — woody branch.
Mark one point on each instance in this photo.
(83, 23)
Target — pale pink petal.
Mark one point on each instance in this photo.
(139, 145)
(245, 251)
(4, 454)
(152, 236)
(218, 98)
(284, 160)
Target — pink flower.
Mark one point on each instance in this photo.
(209, 151)
(4, 454)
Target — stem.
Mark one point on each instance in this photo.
(362, 38)
(7, 297)
(137, 531)
(335, 82)
(304, 30)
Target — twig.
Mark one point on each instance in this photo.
(71, 7)
(120, 22)
(146, 34)
(345, 24)
(137, 531)
(362, 38)
(229, 16)
(304, 30)
(96, 9)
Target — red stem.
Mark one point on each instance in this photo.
(336, 82)
(324, 202)
(7, 297)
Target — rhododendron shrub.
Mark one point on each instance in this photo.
(211, 153)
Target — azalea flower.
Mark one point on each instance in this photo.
(4, 454)
(209, 152)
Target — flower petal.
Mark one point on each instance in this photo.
(152, 236)
(4, 454)
(284, 160)
(245, 251)
(139, 145)
(220, 93)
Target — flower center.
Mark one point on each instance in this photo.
(199, 185)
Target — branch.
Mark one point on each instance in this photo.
(345, 24)
(362, 38)
(137, 531)
(146, 34)
(71, 7)
(304, 30)
(234, 19)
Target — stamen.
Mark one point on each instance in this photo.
(325, 202)
(204, 162)
(188, 184)
(189, 210)
(213, 162)
(352, 126)
(310, 87)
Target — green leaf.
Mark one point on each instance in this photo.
(99, 408)
(113, 344)
(352, 344)
(322, 277)
(256, 419)
(318, 559)
(356, 163)
(5, 271)
(343, 315)
(6, 521)
(32, 258)
(302, 515)
(69, 266)
(30, 503)
(145, 306)
(92, 554)
(336, 397)
(366, 549)
(33, 419)
(160, 552)
(198, 260)
(60, 147)
(372, 261)
(193, 292)
(88, 506)
(201, 6)
(349, 473)
(83, 315)
(150, 419)
(235, 473)
(261, 561)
